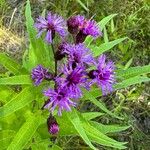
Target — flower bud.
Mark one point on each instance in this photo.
(52, 124)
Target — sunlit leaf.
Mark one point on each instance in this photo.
(82, 5)
(105, 20)
(9, 64)
(74, 118)
(100, 138)
(99, 104)
(19, 101)
(91, 115)
(133, 71)
(98, 50)
(131, 81)
(108, 128)
(5, 138)
(16, 80)
(25, 133)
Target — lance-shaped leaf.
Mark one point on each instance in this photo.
(9, 64)
(133, 71)
(131, 81)
(5, 93)
(108, 128)
(26, 132)
(98, 50)
(91, 115)
(16, 80)
(19, 101)
(5, 138)
(105, 20)
(100, 138)
(75, 120)
(99, 104)
(39, 52)
(82, 5)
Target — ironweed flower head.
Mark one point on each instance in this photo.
(51, 24)
(88, 27)
(103, 75)
(74, 22)
(59, 98)
(40, 73)
(73, 80)
(79, 55)
(82, 27)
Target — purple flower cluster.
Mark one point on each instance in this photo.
(74, 63)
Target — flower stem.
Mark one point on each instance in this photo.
(54, 59)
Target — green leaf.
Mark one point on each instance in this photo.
(21, 100)
(100, 138)
(82, 5)
(30, 24)
(98, 50)
(26, 132)
(74, 118)
(39, 52)
(105, 20)
(65, 125)
(108, 128)
(5, 138)
(16, 80)
(105, 35)
(112, 25)
(99, 104)
(5, 93)
(131, 81)
(128, 64)
(133, 71)
(9, 64)
(41, 144)
(91, 115)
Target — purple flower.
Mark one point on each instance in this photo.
(40, 73)
(103, 75)
(74, 22)
(58, 98)
(88, 27)
(83, 27)
(79, 55)
(73, 80)
(51, 24)
(52, 124)
(54, 129)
